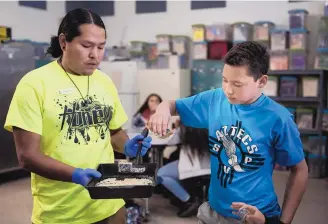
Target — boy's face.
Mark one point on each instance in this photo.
(239, 86)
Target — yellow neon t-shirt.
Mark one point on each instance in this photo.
(46, 102)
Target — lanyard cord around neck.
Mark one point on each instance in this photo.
(85, 101)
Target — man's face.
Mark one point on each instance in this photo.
(84, 54)
(239, 86)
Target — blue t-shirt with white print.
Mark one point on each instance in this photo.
(245, 142)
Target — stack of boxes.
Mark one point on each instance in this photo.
(210, 45)
(289, 48)
(321, 59)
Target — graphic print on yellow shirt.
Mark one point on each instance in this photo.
(82, 115)
(75, 132)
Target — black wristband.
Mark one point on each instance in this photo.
(273, 220)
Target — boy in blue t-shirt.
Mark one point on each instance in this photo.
(249, 133)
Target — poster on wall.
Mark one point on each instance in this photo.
(34, 4)
(150, 6)
(194, 5)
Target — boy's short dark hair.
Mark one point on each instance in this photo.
(250, 53)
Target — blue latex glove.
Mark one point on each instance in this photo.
(82, 177)
(131, 146)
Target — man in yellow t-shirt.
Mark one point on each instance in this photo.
(66, 118)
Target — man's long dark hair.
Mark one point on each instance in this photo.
(145, 104)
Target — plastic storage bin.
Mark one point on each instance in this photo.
(262, 30)
(198, 32)
(310, 86)
(138, 47)
(279, 60)
(298, 18)
(271, 88)
(316, 158)
(242, 31)
(279, 39)
(164, 43)
(288, 86)
(322, 40)
(180, 44)
(217, 49)
(200, 50)
(305, 118)
(218, 32)
(321, 59)
(323, 24)
(298, 60)
(298, 38)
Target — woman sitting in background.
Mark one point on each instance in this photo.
(147, 109)
(193, 161)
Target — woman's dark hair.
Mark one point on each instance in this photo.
(145, 104)
(252, 54)
(195, 139)
(70, 28)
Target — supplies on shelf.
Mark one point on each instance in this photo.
(288, 86)
(218, 32)
(298, 38)
(321, 58)
(298, 59)
(5, 33)
(262, 30)
(138, 48)
(200, 50)
(323, 24)
(279, 60)
(305, 118)
(298, 18)
(271, 88)
(218, 49)
(316, 156)
(279, 39)
(322, 40)
(310, 86)
(242, 31)
(198, 32)
(164, 43)
(180, 45)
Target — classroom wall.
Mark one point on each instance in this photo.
(30, 23)
(179, 17)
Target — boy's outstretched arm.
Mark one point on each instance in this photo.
(294, 192)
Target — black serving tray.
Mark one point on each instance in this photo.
(125, 192)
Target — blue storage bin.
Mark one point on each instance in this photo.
(298, 18)
(288, 86)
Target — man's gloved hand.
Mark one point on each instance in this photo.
(131, 146)
(82, 177)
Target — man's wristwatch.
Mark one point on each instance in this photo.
(273, 220)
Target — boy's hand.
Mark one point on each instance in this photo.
(159, 121)
(254, 215)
